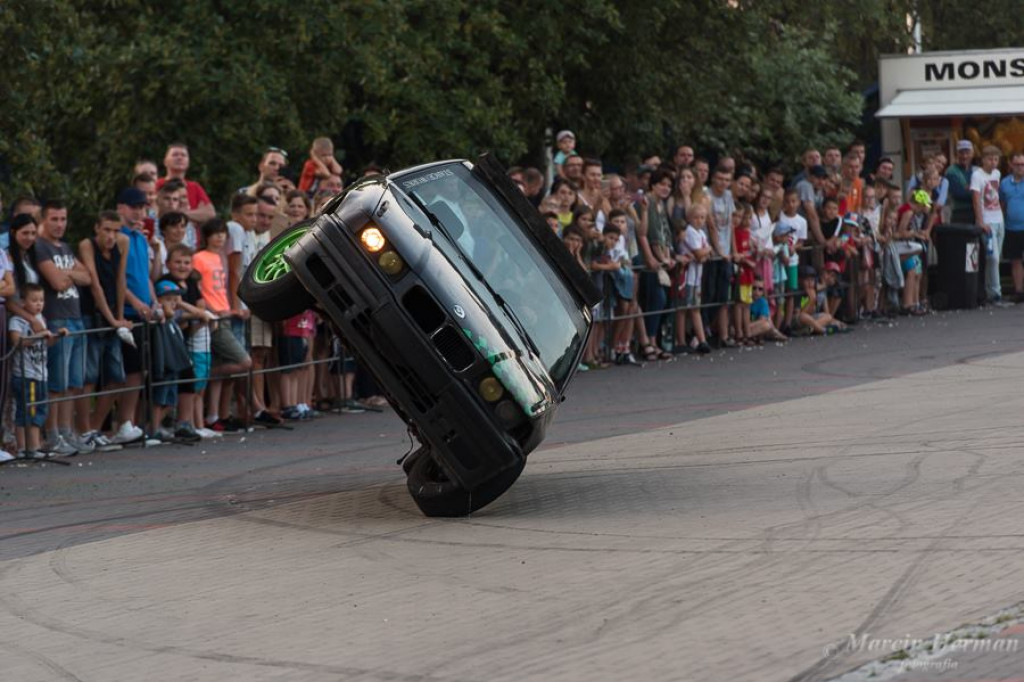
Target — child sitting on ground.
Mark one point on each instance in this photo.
(813, 305)
(760, 315)
(693, 249)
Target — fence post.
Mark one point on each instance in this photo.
(249, 415)
(147, 378)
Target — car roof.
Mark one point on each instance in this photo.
(424, 166)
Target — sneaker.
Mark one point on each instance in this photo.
(703, 348)
(81, 443)
(100, 442)
(5, 456)
(233, 425)
(207, 434)
(626, 358)
(353, 407)
(128, 433)
(293, 414)
(187, 433)
(164, 434)
(217, 425)
(60, 448)
(267, 419)
(33, 454)
(582, 368)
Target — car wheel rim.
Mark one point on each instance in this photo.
(272, 265)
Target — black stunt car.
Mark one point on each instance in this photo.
(451, 289)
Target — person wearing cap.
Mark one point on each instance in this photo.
(61, 274)
(911, 220)
(1011, 196)
(565, 140)
(988, 215)
(140, 305)
(959, 176)
(174, 352)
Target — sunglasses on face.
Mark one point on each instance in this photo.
(277, 150)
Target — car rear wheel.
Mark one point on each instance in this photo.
(436, 495)
(269, 286)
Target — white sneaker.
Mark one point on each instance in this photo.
(128, 433)
(100, 442)
(81, 443)
(208, 433)
(60, 448)
(5, 456)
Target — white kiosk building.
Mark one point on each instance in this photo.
(930, 101)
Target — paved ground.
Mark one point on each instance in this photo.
(863, 487)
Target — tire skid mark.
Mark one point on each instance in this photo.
(13, 605)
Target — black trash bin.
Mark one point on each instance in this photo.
(961, 255)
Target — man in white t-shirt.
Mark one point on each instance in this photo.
(988, 215)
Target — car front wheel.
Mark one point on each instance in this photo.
(436, 495)
(269, 286)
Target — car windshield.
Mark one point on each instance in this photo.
(489, 238)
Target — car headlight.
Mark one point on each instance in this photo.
(491, 389)
(372, 239)
(390, 262)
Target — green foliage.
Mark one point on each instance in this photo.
(89, 86)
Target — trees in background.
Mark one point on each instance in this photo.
(90, 86)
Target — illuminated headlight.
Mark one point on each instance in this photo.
(390, 262)
(373, 239)
(491, 390)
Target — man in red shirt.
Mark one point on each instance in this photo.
(176, 160)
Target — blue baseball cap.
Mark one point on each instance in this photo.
(166, 287)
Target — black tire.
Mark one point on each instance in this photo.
(269, 286)
(435, 495)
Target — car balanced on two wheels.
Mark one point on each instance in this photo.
(450, 288)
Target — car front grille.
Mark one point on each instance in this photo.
(453, 347)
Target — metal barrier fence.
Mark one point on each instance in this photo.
(816, 253)
(149, 380)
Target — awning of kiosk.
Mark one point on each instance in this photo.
(997, 101)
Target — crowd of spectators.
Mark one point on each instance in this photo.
(690, 257)
(693, 257)
(152, 294)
